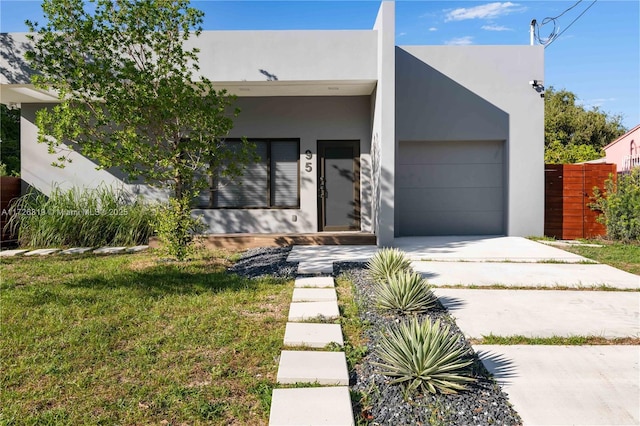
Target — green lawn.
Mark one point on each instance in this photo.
(130, 339)
(618, 255)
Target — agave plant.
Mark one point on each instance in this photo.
(406, 293)
(423, 355)
(387, 262)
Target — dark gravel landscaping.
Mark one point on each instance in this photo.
(379, 402)
(264, 261)
(384, 404)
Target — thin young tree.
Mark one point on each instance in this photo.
(130, 95)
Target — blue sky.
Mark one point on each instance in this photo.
(598, 57)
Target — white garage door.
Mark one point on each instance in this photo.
(450, 188)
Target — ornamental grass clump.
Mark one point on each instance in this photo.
(423, 356)
(405, 293)
(81, 217)
(387, 262)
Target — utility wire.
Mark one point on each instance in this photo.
(577, 3)
(554, 33)
(572, 22)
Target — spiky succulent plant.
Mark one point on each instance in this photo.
(387, 262)
(406, 293)
(423, 356)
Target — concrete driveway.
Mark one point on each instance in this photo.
(548, 385)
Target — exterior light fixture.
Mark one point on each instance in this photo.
(537, 86)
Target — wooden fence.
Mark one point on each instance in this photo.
(568, 192)
(9, 190)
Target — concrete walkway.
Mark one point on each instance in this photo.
(313, 298)
(548, 385)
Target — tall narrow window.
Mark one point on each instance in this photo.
(248, 189)
(284, 174)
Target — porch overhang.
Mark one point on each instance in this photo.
(298, 88)
(16, 94)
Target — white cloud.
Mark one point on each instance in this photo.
(402, 34)
(433, 29)
(485, 11)
(594, 103)
(494, 27)
(460, 41)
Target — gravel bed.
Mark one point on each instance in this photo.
(482, 404)
(260, 262)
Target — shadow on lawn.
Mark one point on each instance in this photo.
(167, 279)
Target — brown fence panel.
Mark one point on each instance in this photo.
(568, 192)
(9, 190)
(595, 175)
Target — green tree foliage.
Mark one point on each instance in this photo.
(619, 203)
(10, 139)
(129, 97)
(574, 133)
(129, 93)
(556, 153)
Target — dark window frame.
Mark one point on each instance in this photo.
(213, 181)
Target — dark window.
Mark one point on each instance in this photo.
(270, 182)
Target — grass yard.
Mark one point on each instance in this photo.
(618, 255)
(130, 339)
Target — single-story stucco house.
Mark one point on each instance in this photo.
(365, 135)
(624, 152)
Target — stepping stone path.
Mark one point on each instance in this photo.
(314, 298)
(42, 252)
(73, 250)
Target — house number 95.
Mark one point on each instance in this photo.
(308, 167)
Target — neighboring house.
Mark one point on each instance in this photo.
(625, 151)
(360, 134)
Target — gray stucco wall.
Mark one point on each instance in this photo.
(240, 55)
(454, 93)
(287, 55)
(310, 119)
(383, 130)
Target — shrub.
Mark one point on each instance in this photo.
(176, 228)
(81, 217)
(406, 293)
(619, 203)
(423, 356)
(387, 262)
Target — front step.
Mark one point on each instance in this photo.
(314, 295)
(312, 335)
(311, 406)
(304, 311)
(323, 368)
(315, 267)
(314, 282)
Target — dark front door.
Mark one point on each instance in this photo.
(339, 185)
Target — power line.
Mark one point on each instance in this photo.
(577, 3)
(572, 22)
(553, 35)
